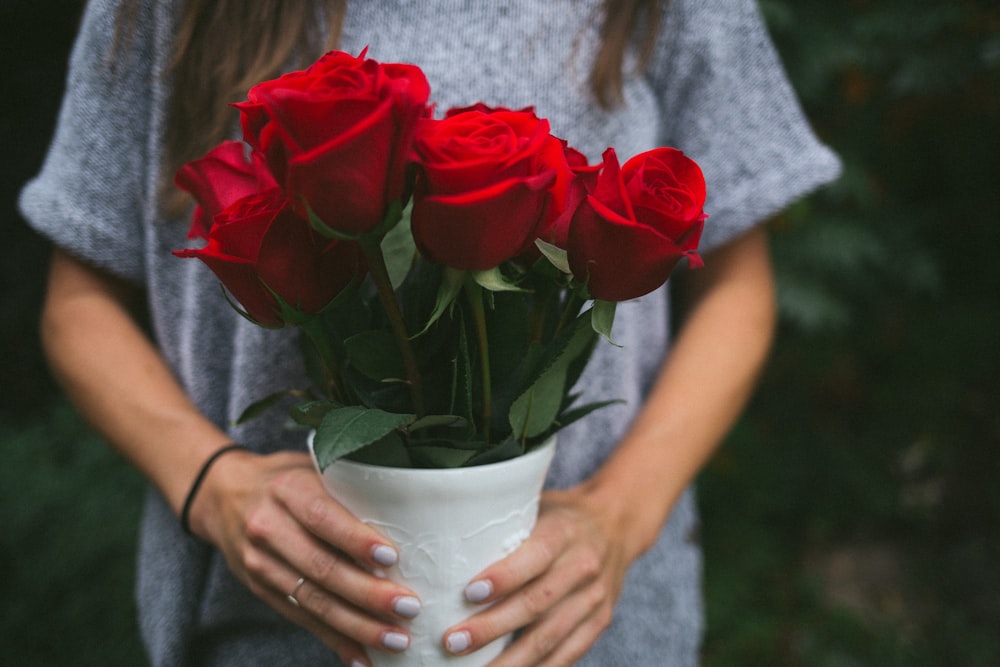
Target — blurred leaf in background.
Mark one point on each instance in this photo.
(852, 518)
(69, 508)
(36, 41)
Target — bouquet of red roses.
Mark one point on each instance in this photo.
(452, 275)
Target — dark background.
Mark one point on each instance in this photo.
(852, 518)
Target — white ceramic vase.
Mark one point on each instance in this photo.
(448, 525)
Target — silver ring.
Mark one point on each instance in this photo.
(291, 596)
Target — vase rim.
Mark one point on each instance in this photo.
(538, 450)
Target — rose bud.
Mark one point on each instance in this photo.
(273, 262)
(637, 224)
(484, 185)
(338, 135)
(224, 175)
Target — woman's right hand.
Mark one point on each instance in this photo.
(269, 515)
(274, 522)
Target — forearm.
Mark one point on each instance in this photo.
(118, 380)
(701, 390)
(268, 515)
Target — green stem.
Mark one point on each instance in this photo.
(539, 309)
(313, 328)
(473, 294)
(372, 248)
(570, 310)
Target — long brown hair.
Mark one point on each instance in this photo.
(272, 33)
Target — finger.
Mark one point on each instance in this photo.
(349, 620)
(305, 498)
(534, 557)
(563, 636)
(287, 541)
(573, 647)
(341, 625)
(348, 650)
(525, 607)
(341, 577)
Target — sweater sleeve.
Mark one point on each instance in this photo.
(88, 196)
(727, 103)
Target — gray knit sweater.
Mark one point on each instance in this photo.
(715, 90)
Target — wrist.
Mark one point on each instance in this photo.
(201, 492)
(633, 503)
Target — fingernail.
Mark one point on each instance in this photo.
(407, 606)
(395, 641)
(384, 555)
(358, 663)
(457, 642)
(478, 591)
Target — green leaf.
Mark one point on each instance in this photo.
(577, 367)
(533, 412)
(508, 327)
(576, 414)
(375, 355)
(556, 255)
(392, 216)
(311, 414)
(324, 229)
(311, 360)
(430, 421)
(451, 286)
(257, 408)
(493, 280)
(449, 443)
(461, 398)
(399, 250)
(385, 395)
(389, 451)
(603, 319)
(508, 449)
(438, 457)
(348, 429)
(242, 313)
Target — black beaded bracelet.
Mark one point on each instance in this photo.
(186, 511)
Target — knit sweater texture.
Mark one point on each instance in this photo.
(715, 89)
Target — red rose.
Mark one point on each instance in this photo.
(337, 135)
(262, 251)
(571, 191)
(639, 221)
(486, 180)
(224, 175)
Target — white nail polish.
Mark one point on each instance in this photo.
(407, 606)
(395, 641)
(457, 642)
(478, 591)
(384, 555)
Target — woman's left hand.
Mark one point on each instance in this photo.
(560, 586)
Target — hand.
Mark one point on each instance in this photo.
(560, 586)
(273, 521)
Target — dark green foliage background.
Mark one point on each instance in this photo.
(851, 519)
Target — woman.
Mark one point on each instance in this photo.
(272, 576)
